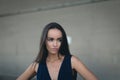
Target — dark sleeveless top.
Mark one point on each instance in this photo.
(65, 72)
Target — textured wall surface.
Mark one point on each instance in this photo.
(95, 38)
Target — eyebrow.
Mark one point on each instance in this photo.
(57, 38)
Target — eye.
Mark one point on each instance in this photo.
(50, 39)
(60, 39)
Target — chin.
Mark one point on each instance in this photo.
(53, 53)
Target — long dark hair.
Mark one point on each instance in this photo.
(64, 48)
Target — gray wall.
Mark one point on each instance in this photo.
(94, 29)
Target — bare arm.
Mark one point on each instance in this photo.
(82, 69)
(29, 72)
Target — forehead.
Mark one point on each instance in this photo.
(54, 33)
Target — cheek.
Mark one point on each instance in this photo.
(48, 45)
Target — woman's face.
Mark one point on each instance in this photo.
(53, 41)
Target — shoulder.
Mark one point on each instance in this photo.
(34, 66)
(80, 67)
(29, 72)
(75, 61)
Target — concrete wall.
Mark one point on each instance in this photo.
(94, 29)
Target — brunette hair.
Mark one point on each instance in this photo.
(64, 48)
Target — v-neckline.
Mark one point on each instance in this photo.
(58, 72)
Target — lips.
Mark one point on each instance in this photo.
(55, 49)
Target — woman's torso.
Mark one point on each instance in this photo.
(65, 71)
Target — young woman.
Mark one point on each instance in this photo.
(54, 61)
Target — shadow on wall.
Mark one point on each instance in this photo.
(10, 78)
(7, 77)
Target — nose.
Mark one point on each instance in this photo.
(55, 43)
